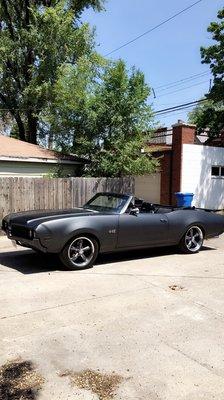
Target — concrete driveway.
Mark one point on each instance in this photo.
(154, 318)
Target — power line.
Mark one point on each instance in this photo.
(154, 27)
(180, 106)
(19, 109)
(175, 113)
(164, 114)
(184, 88)
(181, 81)
(170, 103)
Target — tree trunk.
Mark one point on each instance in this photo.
(21, 127)
(31, 128)
(50, 140)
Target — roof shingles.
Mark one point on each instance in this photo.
(14, 148)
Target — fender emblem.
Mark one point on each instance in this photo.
(112, 231)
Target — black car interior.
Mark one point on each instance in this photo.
(146, 207)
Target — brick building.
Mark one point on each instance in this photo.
(189, 163)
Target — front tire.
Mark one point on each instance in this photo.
(192, 241)
(79, 253)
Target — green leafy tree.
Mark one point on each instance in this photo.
(37, 38)
(66, 122)
(211, 114)
(208, 116)
(106, 117)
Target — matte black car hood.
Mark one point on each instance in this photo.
(23, 218)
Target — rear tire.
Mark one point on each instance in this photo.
(80, 253)
(192, 241)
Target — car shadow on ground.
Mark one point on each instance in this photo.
(30, 262)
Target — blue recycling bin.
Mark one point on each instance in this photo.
(184, 199)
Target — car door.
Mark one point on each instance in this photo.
(144, 229)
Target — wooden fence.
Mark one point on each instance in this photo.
(19, 194)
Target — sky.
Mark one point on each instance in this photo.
(166, 55)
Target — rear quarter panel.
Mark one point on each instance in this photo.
(55, 234)
(179, 221)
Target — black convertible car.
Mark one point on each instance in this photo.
(111, 222)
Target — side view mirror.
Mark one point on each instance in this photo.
(134, 211)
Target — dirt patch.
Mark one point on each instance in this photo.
(103, 385)
(19, 380)
(176, 287)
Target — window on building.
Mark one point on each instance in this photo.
(217, 171)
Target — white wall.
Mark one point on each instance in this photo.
(196, 175)
(31, 169)
(148, 187)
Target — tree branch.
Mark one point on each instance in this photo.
(10, 24)
(6, 102)
(12, 68)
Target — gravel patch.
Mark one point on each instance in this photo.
(103, 385)
(19, 380)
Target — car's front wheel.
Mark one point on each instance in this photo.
(192, 240)
(80, 252)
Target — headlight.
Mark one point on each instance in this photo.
(31, 234)
(4, 225)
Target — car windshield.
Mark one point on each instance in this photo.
(107, 202)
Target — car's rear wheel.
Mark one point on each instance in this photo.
(80, 252)
(192, 240)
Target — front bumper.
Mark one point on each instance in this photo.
(21, 235)
(34, 244)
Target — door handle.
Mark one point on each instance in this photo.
(163, 220)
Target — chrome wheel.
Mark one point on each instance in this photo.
(194, 239)
(81, 252)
